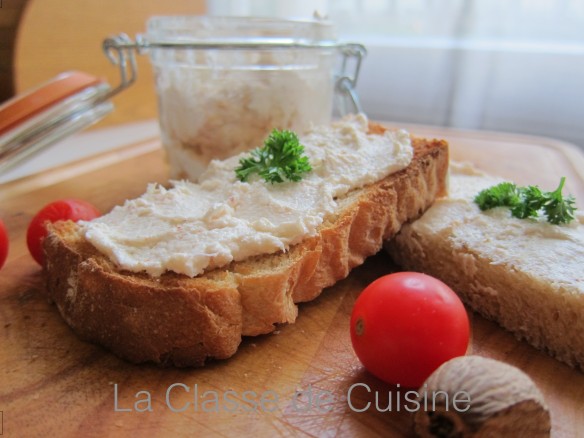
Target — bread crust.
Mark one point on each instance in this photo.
(183, 321)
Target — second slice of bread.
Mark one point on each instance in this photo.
(175, 319)
(530, 282)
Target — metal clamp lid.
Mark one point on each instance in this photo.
(121, 51)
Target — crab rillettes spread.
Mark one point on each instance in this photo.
(194, 227)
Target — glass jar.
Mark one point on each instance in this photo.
(223, 83)
(224, 95)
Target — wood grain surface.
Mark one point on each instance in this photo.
(291, 383)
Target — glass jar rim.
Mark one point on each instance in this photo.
(229, 29)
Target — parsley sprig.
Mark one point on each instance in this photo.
(525, 202)
(280, 159)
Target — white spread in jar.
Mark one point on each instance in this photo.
(210, 114)
(532, 246)
(194, 227)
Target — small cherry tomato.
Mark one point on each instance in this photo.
(405, 325)
(63, 209)
(3, 243)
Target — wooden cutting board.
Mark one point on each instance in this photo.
(293, 382)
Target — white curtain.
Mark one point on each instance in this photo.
(507, 65)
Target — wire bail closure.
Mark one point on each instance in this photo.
(346, 82)
(121, 51)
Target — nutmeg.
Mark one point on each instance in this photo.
(502, 401)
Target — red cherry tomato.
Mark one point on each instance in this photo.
(3, 244)
(63, 209)
(405, 325)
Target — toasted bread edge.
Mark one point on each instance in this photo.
(182, 321)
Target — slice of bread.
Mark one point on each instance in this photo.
(524, 274)
(179, 320)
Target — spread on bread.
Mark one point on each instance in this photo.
(529, 202)
(532, 247)
(193, 227)
(525, 274)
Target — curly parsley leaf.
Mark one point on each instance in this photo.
(531, 201)
(559, 210)
(525, 202)
(280, 159)
(504, 194)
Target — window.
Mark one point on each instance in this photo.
(506, 65)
